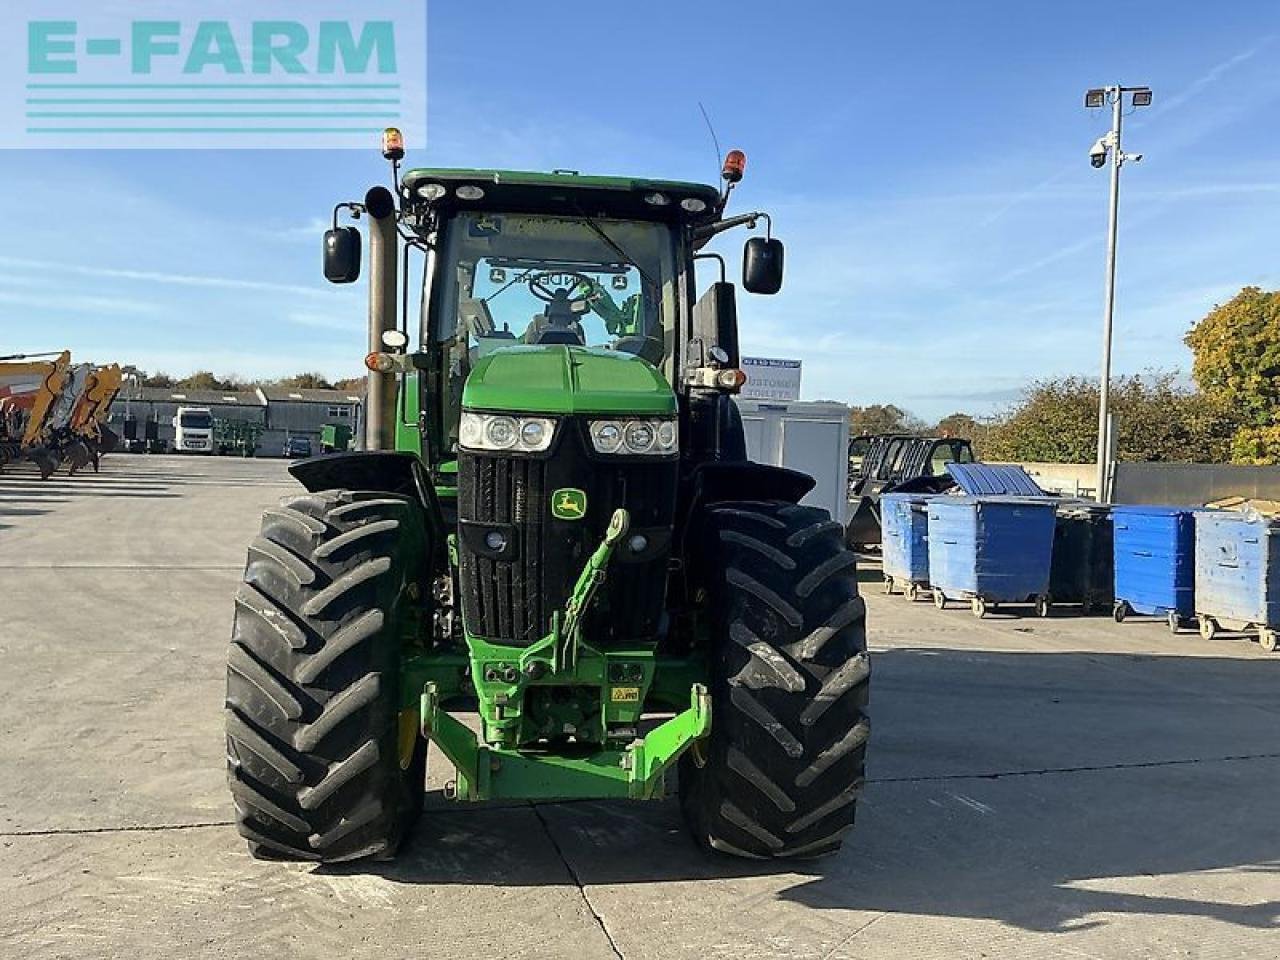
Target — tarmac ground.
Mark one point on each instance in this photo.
(1060, 788)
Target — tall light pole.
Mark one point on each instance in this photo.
(1106, 148)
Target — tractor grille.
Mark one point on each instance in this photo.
(509, 595)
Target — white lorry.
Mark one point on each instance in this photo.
(193, 430)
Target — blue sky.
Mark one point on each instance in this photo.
(925, 163)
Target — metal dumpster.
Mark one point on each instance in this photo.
(1237, 574)
(1083, 571)
(904, 519)
(991, 550)
(1154, 562)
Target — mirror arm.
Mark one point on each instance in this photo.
(702, 234)
(713, 256)
(357, 210)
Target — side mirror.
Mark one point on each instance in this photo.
(762, 265)
(342, 255)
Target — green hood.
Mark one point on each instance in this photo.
(561, 379)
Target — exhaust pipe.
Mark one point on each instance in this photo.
(380, 404)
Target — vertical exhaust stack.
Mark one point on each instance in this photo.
(380, 405)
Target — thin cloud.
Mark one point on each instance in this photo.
(1214, 74)
(353, 324)
(176, 279)
(85, 304)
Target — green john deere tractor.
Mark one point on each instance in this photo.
(554, 527)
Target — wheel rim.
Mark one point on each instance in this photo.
(1268, 640)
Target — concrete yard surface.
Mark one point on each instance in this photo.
(1061, 788)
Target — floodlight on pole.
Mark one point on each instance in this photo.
(1107, 147)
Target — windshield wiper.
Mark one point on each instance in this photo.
(599, 232)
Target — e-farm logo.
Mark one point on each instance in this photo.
(212, 74)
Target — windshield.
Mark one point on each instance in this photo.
(510, 278)
(950, 451)
(195, 421)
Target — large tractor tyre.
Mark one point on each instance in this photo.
(781, 771)
(322, 763)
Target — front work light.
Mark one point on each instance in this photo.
(634, 437)
(485, 431)
(1096, 97)
(1142, 97)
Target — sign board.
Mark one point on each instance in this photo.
(771, 379)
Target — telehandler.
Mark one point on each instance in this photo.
(554, 527)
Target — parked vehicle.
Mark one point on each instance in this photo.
(335, 437)
(297, 447)
(193, 430)
(880, 464)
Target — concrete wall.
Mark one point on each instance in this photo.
(1070, 479)
(1177, 484)
(1193, 484)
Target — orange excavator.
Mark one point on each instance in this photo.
(90, 437)
(30, 391)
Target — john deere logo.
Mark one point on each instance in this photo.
(568, 504)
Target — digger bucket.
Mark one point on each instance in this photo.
(45, 460)
(863, 528)
(108, 441)
(77, 455)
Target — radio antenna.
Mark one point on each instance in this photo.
(714, 139)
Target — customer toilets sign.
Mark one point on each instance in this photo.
(211, 74)
(771, 379)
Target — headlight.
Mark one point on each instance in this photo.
(486, 431)
(636, 437)
(606, 436)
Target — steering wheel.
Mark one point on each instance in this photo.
(540, 286)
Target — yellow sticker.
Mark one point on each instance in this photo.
(626, 695)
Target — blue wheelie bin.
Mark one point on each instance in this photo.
(904, 548)
(1154, 562)
(1237, 574)
(991, 549)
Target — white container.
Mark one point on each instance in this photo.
(809, 436)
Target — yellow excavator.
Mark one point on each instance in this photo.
(30, 389)
(90, 437)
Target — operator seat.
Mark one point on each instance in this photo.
(556, 324)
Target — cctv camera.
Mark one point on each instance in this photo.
(1098, 152)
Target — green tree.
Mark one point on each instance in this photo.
(351, 384)
(956, 425)
(1237, 365)
(307, 381)
(201, 380)
(883, 418)
(157, 379)
(1156, 420)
